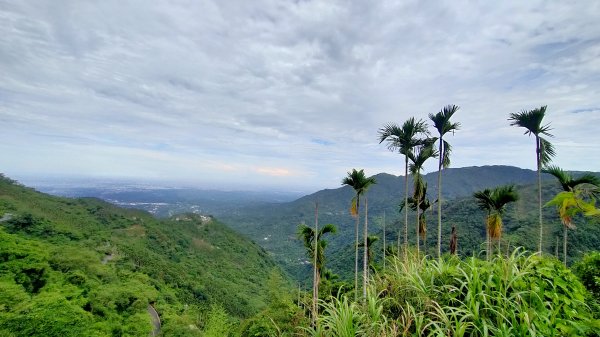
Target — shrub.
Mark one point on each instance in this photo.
(515, 296)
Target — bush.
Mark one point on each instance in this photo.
(588, 271)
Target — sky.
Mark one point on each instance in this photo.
(286, 94)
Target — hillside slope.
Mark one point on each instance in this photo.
(84, 267)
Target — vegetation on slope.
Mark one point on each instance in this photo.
(83, 267)
(519, 295)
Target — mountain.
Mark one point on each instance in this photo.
(274, 226)
(84, 267)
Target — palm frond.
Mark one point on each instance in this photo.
(446, 155)
(441, 120)
(532, 121)
(587, 178)
(328, 228)
(503, 195)
(484, 199)
(564, 178)
(547, 151)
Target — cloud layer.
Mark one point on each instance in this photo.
(286, 93)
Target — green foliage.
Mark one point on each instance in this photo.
(283, 316)
(218, 324)
(516, 296)
(588, 271)
(83, 267)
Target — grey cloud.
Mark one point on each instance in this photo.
(290, 84)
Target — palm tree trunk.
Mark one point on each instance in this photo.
(425, 237)
(356, 248)
(556, 249)
(565, 245)
(384, 240)
(406, 207)
(539, 178)
(366, 251)
(487, 239)
(439, 205)
(315, 271)
(418, 225)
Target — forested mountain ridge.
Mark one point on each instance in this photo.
(84, 267)
(274, 225)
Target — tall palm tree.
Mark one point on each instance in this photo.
(371, 239)
(425, 205)
(532, 121)
(484, 202)
(585, 183)
(315, 249)
(360, 183)
(494, 203)
(418, 159)
(441, 122)
(404, 139)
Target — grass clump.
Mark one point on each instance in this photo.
(519, 295)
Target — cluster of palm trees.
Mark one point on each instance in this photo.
(578, 195)
(414, 141)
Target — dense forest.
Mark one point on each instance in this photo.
(83, 267)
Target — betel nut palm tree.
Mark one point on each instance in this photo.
(418, 159)
(360, 183)
(315, 249)
(494, 203)
(425, 205)
(567, 206)
(371, 239)
(441, 122)
(404, 139)
(532, 121)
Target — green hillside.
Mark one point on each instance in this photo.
(83, 267)
(274, 226)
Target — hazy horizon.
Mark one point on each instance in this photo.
(73, 182)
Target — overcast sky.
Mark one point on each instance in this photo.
(286, 94)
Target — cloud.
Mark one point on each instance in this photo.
(274, 171)
(205, 86)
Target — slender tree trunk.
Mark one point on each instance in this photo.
(487, 239)
(539, 178)
(418, 225)
(556, 249)
(315, 271)
(384, 257)
(356, 248)
(565, 245)
(366, 251)
(439, 201)
(425, 237)
(406, 208)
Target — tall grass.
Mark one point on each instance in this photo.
(519, 295)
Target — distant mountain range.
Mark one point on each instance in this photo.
(274, 226)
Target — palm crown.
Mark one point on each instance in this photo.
(403, 138)
(307, 234)
(441, 122)
(494, 202)
(360, 183)
(567, 182)
(532, 122)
